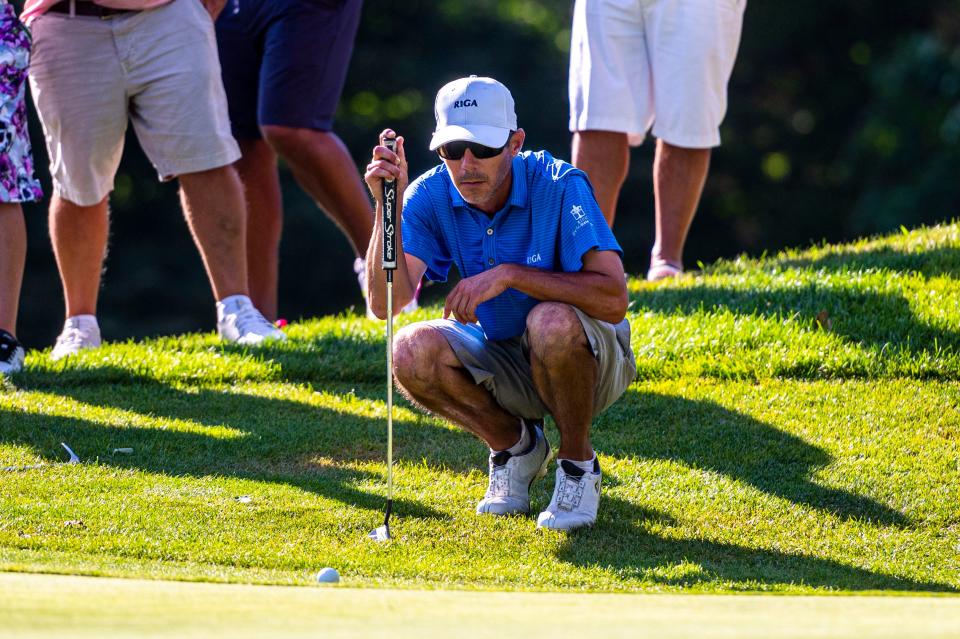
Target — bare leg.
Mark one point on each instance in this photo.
(213, 205)
(565, 374)
(258, 172)
(429, 373)
(13, 254)
(605, 157)
(678, 178)
(324, 169)
(79, 237)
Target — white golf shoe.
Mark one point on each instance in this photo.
(79, 332)
(576, 496)
(11, 354)
(240, 322)
(511, 475)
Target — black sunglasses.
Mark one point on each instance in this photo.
(455, 150)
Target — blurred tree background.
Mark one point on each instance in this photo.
(844, 120)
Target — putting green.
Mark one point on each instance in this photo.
(53, 606)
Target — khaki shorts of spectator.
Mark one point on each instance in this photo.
(503, 366)
(666, 63)
(157, 68)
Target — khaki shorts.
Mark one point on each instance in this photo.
(665, 63)
(157, 68)
(503, 366)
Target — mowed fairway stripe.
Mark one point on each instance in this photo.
(57, 606)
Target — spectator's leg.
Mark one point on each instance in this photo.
(76, 79)
(239, 39)
(678, 178)
(306, 55)
(258, 172)
(324, 169)
(605, 157)
(79, 237)
(214, 208)
(429, 373)
(565, 374)
(13, 254)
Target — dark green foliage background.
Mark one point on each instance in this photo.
(844, 120)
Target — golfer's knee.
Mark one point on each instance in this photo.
(554, 332)
(417, 351)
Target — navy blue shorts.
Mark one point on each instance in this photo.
(285, 61)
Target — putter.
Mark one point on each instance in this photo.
(389, 264)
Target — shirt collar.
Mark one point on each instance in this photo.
(518, 189)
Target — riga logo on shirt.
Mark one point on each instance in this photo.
(579, 217)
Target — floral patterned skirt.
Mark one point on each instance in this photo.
(17, 183)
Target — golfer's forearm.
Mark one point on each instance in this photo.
(599, 295)
(403, 290)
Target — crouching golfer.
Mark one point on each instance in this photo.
(536, 324)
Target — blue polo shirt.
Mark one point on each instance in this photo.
(549, 221)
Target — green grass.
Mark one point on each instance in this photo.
(42, 606)
(794, 428)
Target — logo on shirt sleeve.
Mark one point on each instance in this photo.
(579, 217)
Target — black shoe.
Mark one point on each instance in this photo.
(11, 354)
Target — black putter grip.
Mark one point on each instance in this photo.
(389, 217)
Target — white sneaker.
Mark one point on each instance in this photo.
(576, 496)
(511, 475)
(360, 268)
(11, 354)
(662, 270)
(79, 332)
(239, 321)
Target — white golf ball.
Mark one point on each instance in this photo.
(328, 576)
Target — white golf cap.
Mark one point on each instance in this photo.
(474, 110)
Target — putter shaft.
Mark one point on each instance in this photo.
(389, 397)
(389, 264)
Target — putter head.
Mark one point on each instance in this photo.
(381, 534)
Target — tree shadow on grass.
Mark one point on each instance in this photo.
(279, 440)
(705, 435)
(251, 437)
(357, 365)
(860, 317)
(351, 360)
(936, 262)
(619, 541)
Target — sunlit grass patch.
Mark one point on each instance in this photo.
(794, 428)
